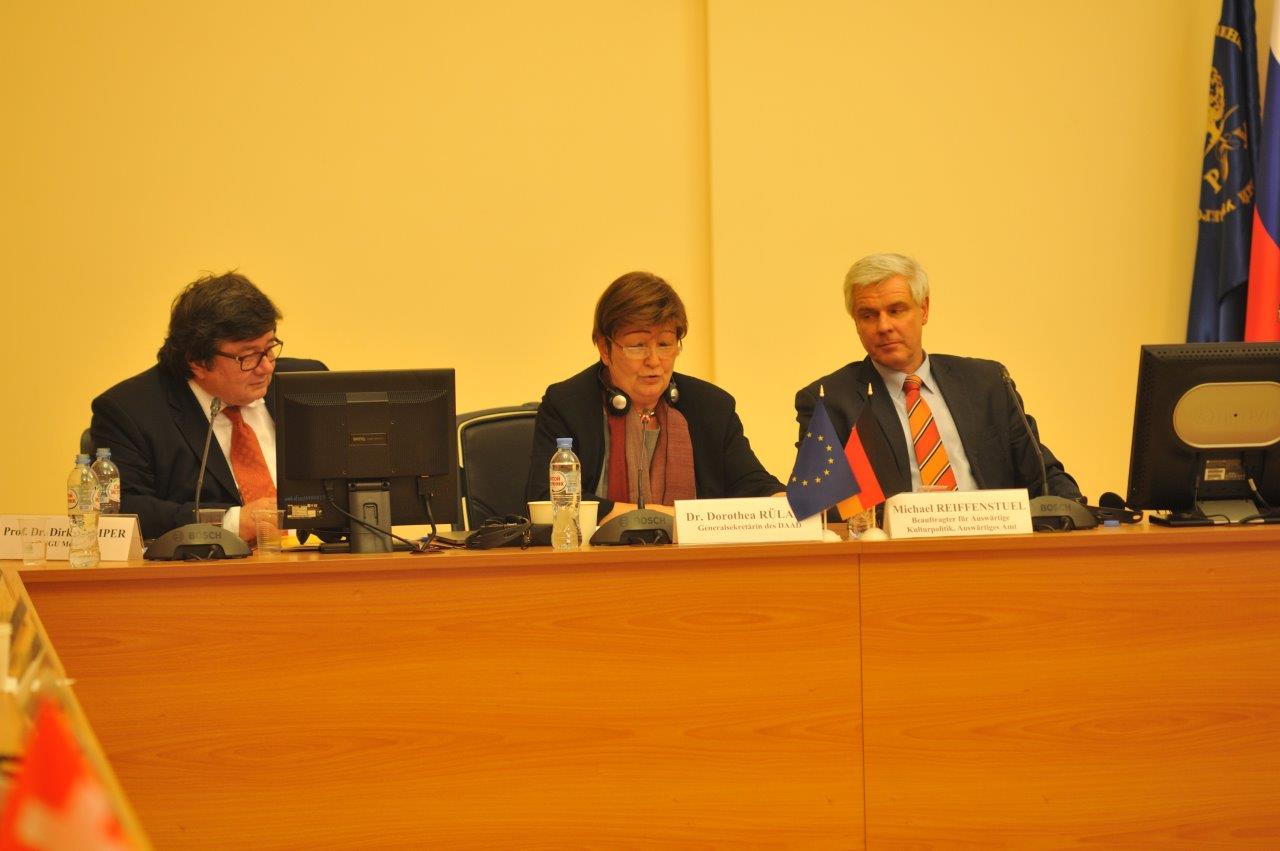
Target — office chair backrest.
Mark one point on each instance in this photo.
(493, 462)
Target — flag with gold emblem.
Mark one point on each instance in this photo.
(1220, 281)
(821, 476)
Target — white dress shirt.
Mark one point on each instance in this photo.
(941, 415)
(257, 418)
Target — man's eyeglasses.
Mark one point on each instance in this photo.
(250, 362)
(665, 349)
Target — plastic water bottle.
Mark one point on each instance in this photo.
(108, 483)
(82, 511)
(566, 495)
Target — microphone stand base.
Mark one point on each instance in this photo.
(641, 526)
(1056, 514)
(196, 542)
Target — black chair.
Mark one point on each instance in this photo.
(493, 463)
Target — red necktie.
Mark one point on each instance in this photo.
(247, 460)
(935, 466)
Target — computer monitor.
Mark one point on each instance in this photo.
(1206, 433)
(376, 445)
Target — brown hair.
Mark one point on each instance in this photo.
(638, 298)
(209, 311)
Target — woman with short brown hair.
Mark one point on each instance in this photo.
(641, 430)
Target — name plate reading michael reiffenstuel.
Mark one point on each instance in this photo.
(945, 514)
(745, 520)
(119, 538)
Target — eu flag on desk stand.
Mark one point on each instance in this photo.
(821, 477)
(1221, 275)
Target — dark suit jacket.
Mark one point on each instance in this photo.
(995, 441)
(723, 463)
(155, 429)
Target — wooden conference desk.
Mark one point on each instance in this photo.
(1113, 688)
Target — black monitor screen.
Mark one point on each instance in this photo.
(1206, 426)
(390, 430)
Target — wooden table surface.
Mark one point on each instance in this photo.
(1116, 689)
(615, 697)
(1113, 688)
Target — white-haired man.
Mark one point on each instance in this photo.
(948, 422)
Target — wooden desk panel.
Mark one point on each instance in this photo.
(696, 698)
(1117, 689)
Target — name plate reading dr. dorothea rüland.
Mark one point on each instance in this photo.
(743, 520)
(945, 514)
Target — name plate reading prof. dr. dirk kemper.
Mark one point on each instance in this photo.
(745, 520)
(945, 514)
(119, 538)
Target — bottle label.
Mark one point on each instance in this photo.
(557, 481)
(113, 492)
(71, 500)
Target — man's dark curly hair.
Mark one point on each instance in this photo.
(210, 311)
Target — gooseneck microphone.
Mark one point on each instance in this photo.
(1026, 426)
(1048, 513)
(639, 488)
(640, 525)
(196, 541)
(214, 407)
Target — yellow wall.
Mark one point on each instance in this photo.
(1039, 159)
(426, 184)
(415, 184)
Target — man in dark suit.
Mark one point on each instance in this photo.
(221, 344)
(946, 422)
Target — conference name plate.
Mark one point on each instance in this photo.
(743, 520)
(119, 538)
(949, 514)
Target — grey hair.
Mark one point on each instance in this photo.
(875, 268)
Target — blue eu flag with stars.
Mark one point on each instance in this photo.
(821, 477)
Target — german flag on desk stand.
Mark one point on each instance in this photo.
(821, 477)
(865, 439)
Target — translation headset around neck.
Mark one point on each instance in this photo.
(618, 403)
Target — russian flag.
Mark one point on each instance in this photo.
(1262, 310)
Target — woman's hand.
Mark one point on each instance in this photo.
(620, 508)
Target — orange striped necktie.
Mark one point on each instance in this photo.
(247, 461)
(935, 466)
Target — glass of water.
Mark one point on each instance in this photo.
(861, 522)
(35, 539)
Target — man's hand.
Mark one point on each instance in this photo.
(249, 529)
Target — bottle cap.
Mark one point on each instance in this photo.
(564, 443)
(104, 452)
(82, 458)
